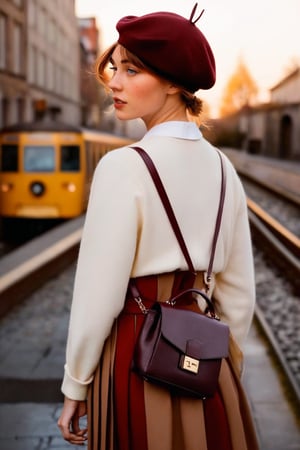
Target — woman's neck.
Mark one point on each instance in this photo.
(177, 113)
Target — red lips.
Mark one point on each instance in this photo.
(118, 103)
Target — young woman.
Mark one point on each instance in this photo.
(158, 63)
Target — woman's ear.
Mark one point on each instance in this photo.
(173, 89)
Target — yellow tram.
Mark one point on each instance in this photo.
(46, 169)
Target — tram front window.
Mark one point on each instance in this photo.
(69, 158)
(39, 158)
(9, 158)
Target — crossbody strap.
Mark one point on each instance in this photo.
(167, 205)
(170, 213)
(218, 219)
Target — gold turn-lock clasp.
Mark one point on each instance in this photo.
(190, 364)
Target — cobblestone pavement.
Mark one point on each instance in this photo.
(31, 426)
(33, 335)
(32, 349)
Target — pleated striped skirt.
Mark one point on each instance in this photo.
(127, 413)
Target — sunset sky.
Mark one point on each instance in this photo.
(265, 33)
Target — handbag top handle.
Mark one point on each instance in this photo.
(170, 213)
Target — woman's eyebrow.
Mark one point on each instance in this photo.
(123, 61)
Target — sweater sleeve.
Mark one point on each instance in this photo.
(234, 292)
(104, 264)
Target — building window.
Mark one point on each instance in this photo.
(17, 45)
(51, 31)
(41, 69)
(58, 39)
(31, 13)
(20, 109)
(18, 3)
(3, 23)
(41, 21)
(5, 111)
(58, 79)
(50, 74)
(31, 64)
(64, 79)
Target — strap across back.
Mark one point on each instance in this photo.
(172, 218)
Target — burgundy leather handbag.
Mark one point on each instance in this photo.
(178, 348)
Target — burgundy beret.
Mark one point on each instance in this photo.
(171, 46)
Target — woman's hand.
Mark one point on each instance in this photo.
(69, 421)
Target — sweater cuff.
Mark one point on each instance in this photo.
(74, 389)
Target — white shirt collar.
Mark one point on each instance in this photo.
(177, 129)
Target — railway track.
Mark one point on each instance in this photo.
(277, 245)
(278, 242)
(281, 323)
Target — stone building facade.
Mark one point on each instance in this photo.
(92, 94)
(39, 59)
(273, 129)
(13, 61)
(270, 129)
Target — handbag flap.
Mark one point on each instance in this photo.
(197, 335)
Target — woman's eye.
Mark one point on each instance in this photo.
(131, 71)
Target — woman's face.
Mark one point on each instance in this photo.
(138, 93)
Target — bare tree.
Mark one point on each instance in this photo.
(241, 90)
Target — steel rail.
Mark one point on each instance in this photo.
(286, 237)
(275, 348)
(276, 241)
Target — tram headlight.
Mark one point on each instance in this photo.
(71, 187)
(6, 187)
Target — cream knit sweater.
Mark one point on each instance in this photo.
(127, 233)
